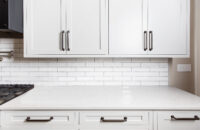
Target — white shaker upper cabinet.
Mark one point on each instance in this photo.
(168, 26)
(87, 27)
(149, 28)
(106, 28)
(65, 28)
(127, 23)
(42, 27)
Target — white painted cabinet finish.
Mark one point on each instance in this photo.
(156, 28)
(127, 22)
(87, 23)
(43, 27)
(116, 120)
(54, 120)
(168, 20)
(100, 120)
(43, 120)
(106, 28)
(185, 120)
(65, 27)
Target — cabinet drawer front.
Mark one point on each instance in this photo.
(178, 120)
(40, 118)
(121, 119)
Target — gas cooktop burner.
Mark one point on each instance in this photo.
(8, 92)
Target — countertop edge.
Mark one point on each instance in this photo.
(98, 109)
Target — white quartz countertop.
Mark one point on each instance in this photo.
(104, 98)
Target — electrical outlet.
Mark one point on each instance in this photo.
(184, 68)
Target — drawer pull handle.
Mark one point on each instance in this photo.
(28, 119)
(113, 121)
(173, 118)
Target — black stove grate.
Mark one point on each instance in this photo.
(9, 92)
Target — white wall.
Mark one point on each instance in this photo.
(79, 71)
(185, 80)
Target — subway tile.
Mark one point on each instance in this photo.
(80, 71)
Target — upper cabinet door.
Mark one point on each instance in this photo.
(42, 23)
(87, 27)
(168, 25)
(127, 24)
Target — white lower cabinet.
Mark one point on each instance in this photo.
(100, 120)
(119, 120)
(177, 120)
(38, 120)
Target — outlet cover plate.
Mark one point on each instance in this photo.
(184, 68)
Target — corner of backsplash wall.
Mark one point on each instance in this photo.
(80, 71)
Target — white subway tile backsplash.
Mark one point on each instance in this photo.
(122, 60)
(94, 74)
(76, 74)
(112, 73)
(94, 64)
(136, 69)
(101, 60)
(122, 69)
(150, 65)
(66, 69)
(141, 60)
(47, 69)
(85, 69)
(76, 83)
(112, 64)
(103, 69)
(131, 65)
(119, 78)
(149, 74)
(85, 78)
(80, 71)
(103, 78)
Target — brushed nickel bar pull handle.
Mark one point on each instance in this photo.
(173, 118)
(67, 41)
(150, 40)
(62, 41)
(28, 119)
(145, 41)
(113, 121)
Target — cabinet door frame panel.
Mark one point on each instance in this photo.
(103, 31)
(29, 50)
